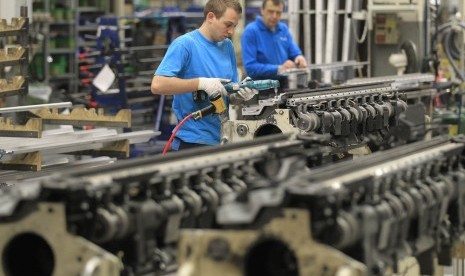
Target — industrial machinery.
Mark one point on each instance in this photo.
(397, 212)
(124, 218)
(350, 113)
(273, 202)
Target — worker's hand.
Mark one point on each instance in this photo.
(212, 85)
(300, 61)
(245, 92)
(288, 64)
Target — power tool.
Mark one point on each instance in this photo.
(235, 98)
(219, 107)
(232, 88)
(254, 84)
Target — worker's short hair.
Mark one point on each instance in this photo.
(218, 7)
(275, 2)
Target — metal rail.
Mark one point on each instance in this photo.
(32, 107)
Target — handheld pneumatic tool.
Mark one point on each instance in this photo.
(217, 104)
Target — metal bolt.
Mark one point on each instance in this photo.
(218, 249)
(242, 130)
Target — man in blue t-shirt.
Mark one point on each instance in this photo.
(268, 47)
(201, 60)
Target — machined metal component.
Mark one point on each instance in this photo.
(380, 203)
(282, 246)
(412, 80)
(350, 113)
(261, 202)
(242, 130)
(42, 235)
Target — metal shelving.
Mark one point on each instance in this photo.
(16, 56)
(54, 19)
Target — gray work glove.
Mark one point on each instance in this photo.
(212, 85)
(245, 92)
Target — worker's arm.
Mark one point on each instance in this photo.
(171, 85)
(162, 85)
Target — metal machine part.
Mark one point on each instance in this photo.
(349, 113)
(409, 80)
(135, 209)
(283, 246)
(269, 199)
(39, 244)
(378, 210)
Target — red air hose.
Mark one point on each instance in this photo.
(168, 144)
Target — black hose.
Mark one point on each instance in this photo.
(447, 51)
(447, 48)
(454, 51)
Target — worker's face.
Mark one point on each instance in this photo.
(223, 27)
(271, 14)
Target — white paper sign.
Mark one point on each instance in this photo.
(104, 79)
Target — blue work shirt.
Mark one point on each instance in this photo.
(193, 56)
(264, 50)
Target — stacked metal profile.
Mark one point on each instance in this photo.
(26, 147)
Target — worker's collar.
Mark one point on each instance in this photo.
(262, 26)
(208, 41)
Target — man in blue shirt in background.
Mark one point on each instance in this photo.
(201, 60)
(268, 47)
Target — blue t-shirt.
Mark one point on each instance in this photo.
(193, 56)
(263, 50)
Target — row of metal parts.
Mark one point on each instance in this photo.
(411, 220)
(346, 116)
(406, 203)
(412, 206)
(155, 211)
(184, 201)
